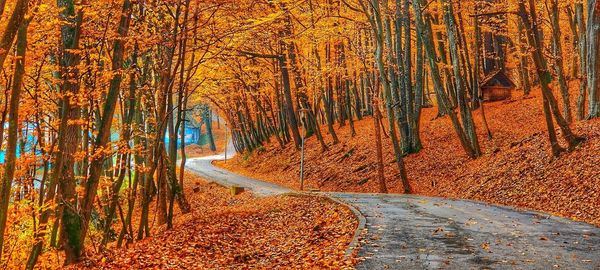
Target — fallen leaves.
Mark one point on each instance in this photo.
(241, 232)
(517, 168)
(486, 246)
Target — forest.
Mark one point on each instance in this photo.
(108, 109)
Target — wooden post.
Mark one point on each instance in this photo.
(226, 142)
(303, 122)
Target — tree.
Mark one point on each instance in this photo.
(378, 24)
(530, 22)
(13, 127)
(558, 59)
(444, 104)
(593, 58)
(91, 185)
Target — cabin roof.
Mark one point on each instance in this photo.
(497, 78)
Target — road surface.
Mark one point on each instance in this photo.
(413, 232)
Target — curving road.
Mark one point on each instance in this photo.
(413, 232)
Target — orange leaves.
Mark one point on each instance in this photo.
(516, 168)
(241, 232)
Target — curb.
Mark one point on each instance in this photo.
(362, 221)
(354, 244)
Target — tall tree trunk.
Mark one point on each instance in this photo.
(401, 83)
(146, 185)
(523, 61)
(347, 101)
(558, 60)
(531, 25)
(465, 111)
(582, 50)
(13, 128)
(381, 29)
(328, 116)
(593, 58)
(476, 71)
(357, 97)
(419, 89)
(12, 27)
(283, 65)
(446, 67)
(288, 103)
(139, 175)
(207, 116)
(125, 135)
(574, 69)
(443, 101)
(70, 133)
(102, 139)
(62, 171)
(349, 108)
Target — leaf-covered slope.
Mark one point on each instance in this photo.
(516, 169)
(241, 232)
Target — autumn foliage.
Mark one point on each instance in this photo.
(516, 168)
(225, 231)
(98, 99)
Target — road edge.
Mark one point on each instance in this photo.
(362, 221)
(360, 228)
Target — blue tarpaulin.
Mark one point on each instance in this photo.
(192, 135)
(30, 141)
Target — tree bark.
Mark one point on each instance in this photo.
(530, 22)
(476, 72)
(102, 139)
(443, 101)
(207, 116)
(523, 61)
(461, 95)
(381, 28)
(125, 135)
(328, 116)
(289, 105)
(582, 50)
(13, 128)
(593, 58)
(558, 60)
(12, 27)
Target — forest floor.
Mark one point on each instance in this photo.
(516, 169)
(399, 231)
(224, 231)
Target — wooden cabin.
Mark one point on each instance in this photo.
(497, 86)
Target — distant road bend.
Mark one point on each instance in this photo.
(414, 232)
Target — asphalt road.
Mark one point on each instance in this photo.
(413, 232)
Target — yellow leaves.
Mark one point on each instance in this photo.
(471, 222)
(486, 246)
(43, 8)
(80, 190)
(254, 22)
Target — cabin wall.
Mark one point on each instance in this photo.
(496, 93)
